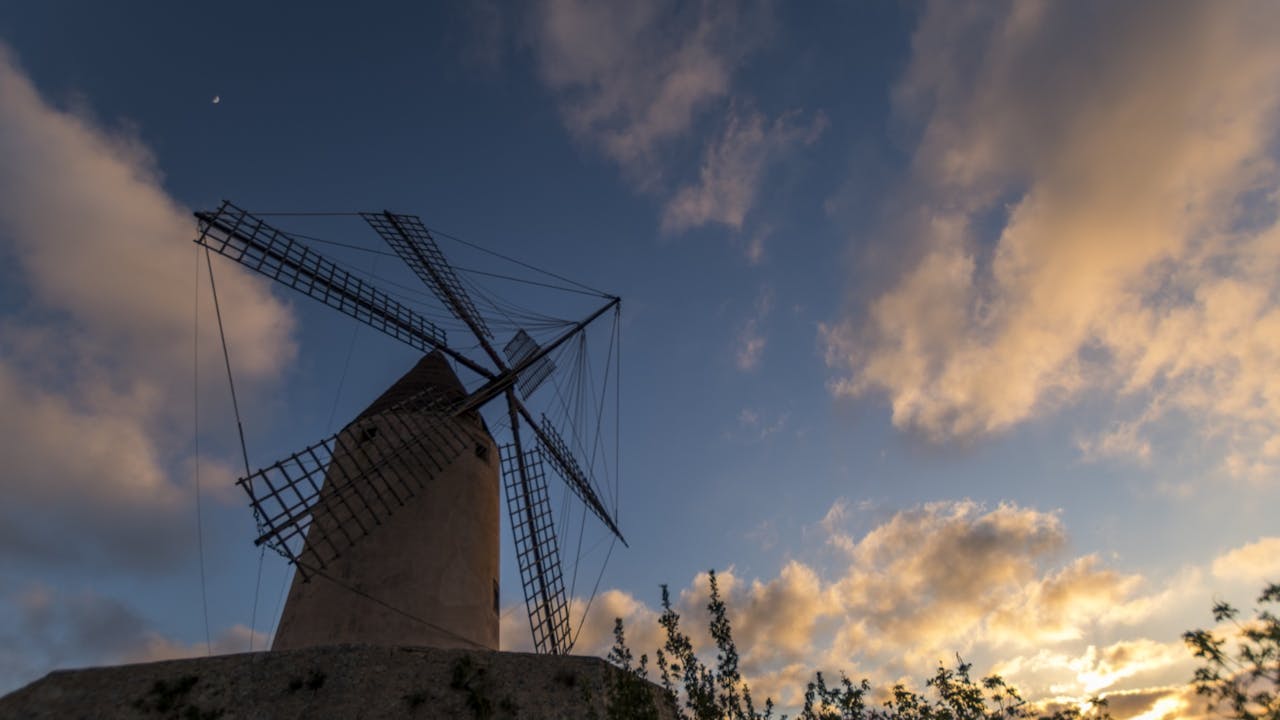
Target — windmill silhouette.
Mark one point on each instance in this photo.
(402, 501)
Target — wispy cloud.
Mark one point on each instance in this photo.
(633, 76)
(1123, 439)
(1257, 562)
(750, 346)
(751, 338)
(100, 357)
(1094, 208)
(754, 250)
(733, 169)
(757, 425)
(641, 82)
(1097, 668)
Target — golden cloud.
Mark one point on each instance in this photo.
(990, 583)
(1096, 207)
(922, 585)
(1257, 562)
(101, 353)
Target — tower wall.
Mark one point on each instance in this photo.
(426, 575)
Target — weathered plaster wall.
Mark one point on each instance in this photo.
(426, 573)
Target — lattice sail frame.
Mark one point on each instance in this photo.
(557, 452)
(316, 503)
(234, 233)
(518, 349)
(537, 551)
(411, 240)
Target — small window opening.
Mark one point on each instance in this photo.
(368, 434)
(482, 451)
(495, 596)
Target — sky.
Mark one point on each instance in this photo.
(946, 327)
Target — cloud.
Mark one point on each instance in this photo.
(757, 425)
(596, 634)
(754, 250)
(153, 647)
(1174, 702)
(778, 617)
(751, 339)
(1096, 670)
(1060, 606)
(96, 367)
(750, 347)
(995, 584)
(46, 629)
(732, 171)
(1092, 207)
(921, 585)
(639, 82)
(1256, 562)
(764, 535)
(1169, 702)
(1123, 439)
(631, 77)
(1101, 669)
(912, 604)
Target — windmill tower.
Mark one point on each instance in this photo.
(440, 558)
(392, 524)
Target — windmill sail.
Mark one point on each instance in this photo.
(413, 243)
(558, 453)
(520, 348)
(248, 240)
(339, 490)
(537, 552)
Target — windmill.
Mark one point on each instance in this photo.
(362, 490)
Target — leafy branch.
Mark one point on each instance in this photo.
(1248, 681)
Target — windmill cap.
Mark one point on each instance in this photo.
(431, 373)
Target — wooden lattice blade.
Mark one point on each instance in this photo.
(537, 551)
(411, 240)
(337, 491)
(558, 453)
(248, 240)
(520, 348)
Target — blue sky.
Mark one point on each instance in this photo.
(910, 294)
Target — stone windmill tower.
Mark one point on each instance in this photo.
(440, 558)
(393, 523)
